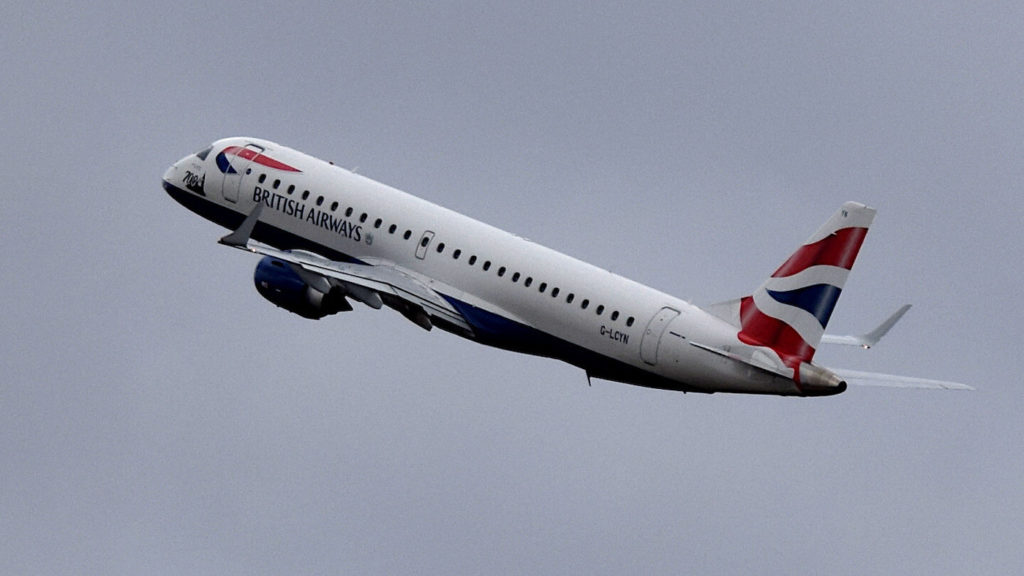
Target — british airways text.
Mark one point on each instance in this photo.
(321, 218)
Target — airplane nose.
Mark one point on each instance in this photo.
(175, 173)
(170, 173)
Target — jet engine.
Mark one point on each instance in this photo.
(278, 282)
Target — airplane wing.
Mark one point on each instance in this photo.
(871, 338)
(858, 378)
(374, 285)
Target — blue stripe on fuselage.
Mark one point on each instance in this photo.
(489, 328)
(496, 330)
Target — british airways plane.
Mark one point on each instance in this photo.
(329, 237)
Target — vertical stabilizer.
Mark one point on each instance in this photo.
(789, 312)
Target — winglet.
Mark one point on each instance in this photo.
(871, 338)
(240, 237)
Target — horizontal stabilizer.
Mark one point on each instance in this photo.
(858, 378)
(871, 338)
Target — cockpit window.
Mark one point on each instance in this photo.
(204, 152)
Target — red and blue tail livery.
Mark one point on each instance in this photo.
(330, 237)
(790, 311)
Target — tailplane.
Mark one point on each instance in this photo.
(789, 311)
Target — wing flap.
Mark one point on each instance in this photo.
(365, 282)
(383, 279)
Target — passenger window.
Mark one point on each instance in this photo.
(554, 292)
(570, 298)
(615, 315)
(472, 260)
(456, 254)
(378, 222)
(334, 206)
(407, 235)
(291, 188)
(584, 304)
(392, 228)
(319, 200)
(543, 287)
(440, 247)
(515, 277)
(501, 271)
(528, 281)
(276, 184)
(425, 241)
(487, 265)
(262, 178)
(348, 212)
(362, 218)
(629, 321)
(305, 195)
(600, 309)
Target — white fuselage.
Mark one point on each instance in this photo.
(528, 298)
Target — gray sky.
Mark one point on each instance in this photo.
(158, 417)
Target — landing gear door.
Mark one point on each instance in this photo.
(236, 167)
(652, 334)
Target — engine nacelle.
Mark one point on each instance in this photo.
(276, 281)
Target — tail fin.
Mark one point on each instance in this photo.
(789, 312)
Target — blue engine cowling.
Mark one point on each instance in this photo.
(276, 281)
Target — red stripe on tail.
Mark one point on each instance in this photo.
(759, 329)
(838, 249)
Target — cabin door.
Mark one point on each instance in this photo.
(236, 168)
(652, 334)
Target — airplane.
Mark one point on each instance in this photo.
(329, 237)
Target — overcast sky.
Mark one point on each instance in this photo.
(158, 417)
